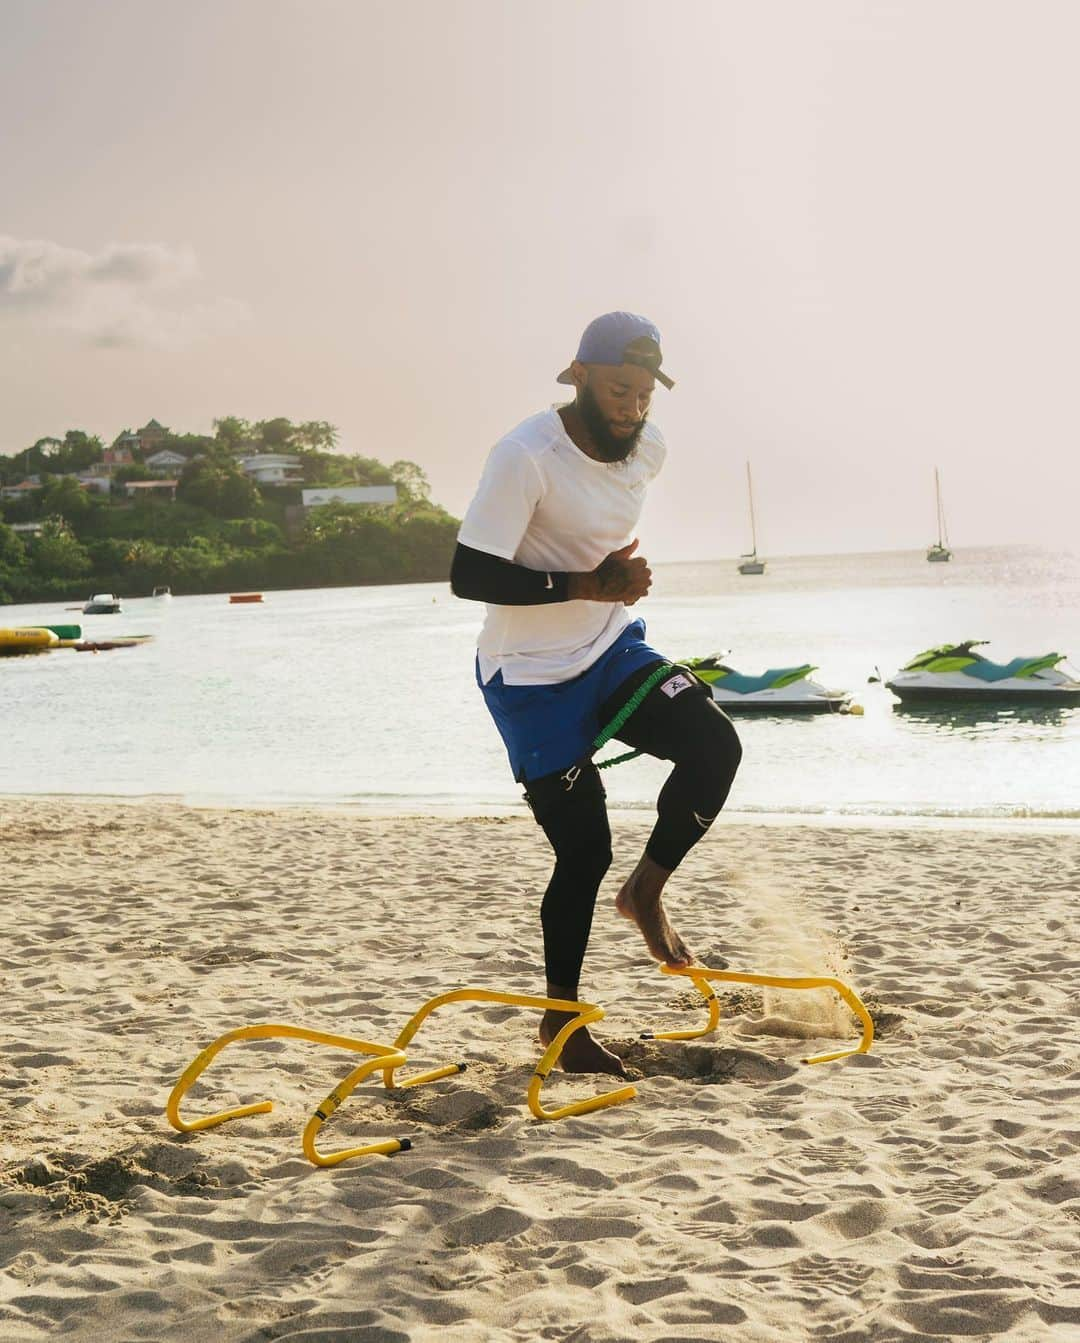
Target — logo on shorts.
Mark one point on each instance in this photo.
(675, 684)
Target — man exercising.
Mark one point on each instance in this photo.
(548, 543)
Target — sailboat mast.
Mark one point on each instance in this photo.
(753, 525)
(940, 510)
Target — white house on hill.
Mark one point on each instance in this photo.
(272, 468)
(166, 461)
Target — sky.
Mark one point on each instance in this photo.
(857, 226)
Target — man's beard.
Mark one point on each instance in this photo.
(610, 447)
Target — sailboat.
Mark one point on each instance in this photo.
(750, 563)
(939, 552)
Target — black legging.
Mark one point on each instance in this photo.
(689, 728)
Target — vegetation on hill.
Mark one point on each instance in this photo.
(224, 531)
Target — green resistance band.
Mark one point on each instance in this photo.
(630, 707)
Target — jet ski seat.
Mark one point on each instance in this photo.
(986, 670)
(774, 678)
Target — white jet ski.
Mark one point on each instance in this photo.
(778, 690)
(954, 673)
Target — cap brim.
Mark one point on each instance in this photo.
(566, 377)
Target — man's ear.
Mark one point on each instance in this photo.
(580, 374)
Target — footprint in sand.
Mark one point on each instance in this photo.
(560, 1171)
(841, 1276)
(834, 1155)
(640, 1291)
(885, 1109)
(945, 1194)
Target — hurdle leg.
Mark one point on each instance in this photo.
(704, 977)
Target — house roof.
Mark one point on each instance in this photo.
(152, 424)
(149, 484)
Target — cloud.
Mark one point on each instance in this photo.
(131, 295)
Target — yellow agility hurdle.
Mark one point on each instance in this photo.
(703, 978)
(586, 1014)
(382, 1054)
(388, 1059)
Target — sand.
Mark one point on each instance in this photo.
(930, 1189)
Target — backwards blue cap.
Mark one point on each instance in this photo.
(620, 338)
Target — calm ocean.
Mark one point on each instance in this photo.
(366, 695)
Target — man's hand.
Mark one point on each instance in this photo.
(618, 578)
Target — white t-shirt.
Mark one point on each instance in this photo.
(544, 504)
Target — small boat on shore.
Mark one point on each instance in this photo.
(102, 604)
(244, 598)
(780, 690)
(956, 674)
(162, 593)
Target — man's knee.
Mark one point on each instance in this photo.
(713, 752)
(589, 862)
(728, 746)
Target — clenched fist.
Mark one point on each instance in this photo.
(621, 577)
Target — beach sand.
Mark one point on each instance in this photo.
(929, 1189)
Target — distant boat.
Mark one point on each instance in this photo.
(939, 552)
(750, 563)
(102, 604)
(242, 598)
(162, 593)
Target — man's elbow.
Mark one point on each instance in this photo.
(459, 581)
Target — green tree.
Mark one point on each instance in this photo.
(274, 435)
(57, 552)
(428, 538)
(78, 451)
(12, 550)
(136, 471)
(232, 434)
(316, 436)
(412, 483)
(217, 485)
(65, 498)
(251, 533)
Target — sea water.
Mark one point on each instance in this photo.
(366, 695)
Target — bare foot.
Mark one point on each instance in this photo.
(581, 1053)
(640, 902)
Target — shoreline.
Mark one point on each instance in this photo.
(1036, 823)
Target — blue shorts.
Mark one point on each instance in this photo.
(548, 728)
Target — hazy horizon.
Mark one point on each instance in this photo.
(853, 222)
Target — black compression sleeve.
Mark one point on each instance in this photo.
(480, 577)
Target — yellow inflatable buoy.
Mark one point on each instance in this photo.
(32, 639)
